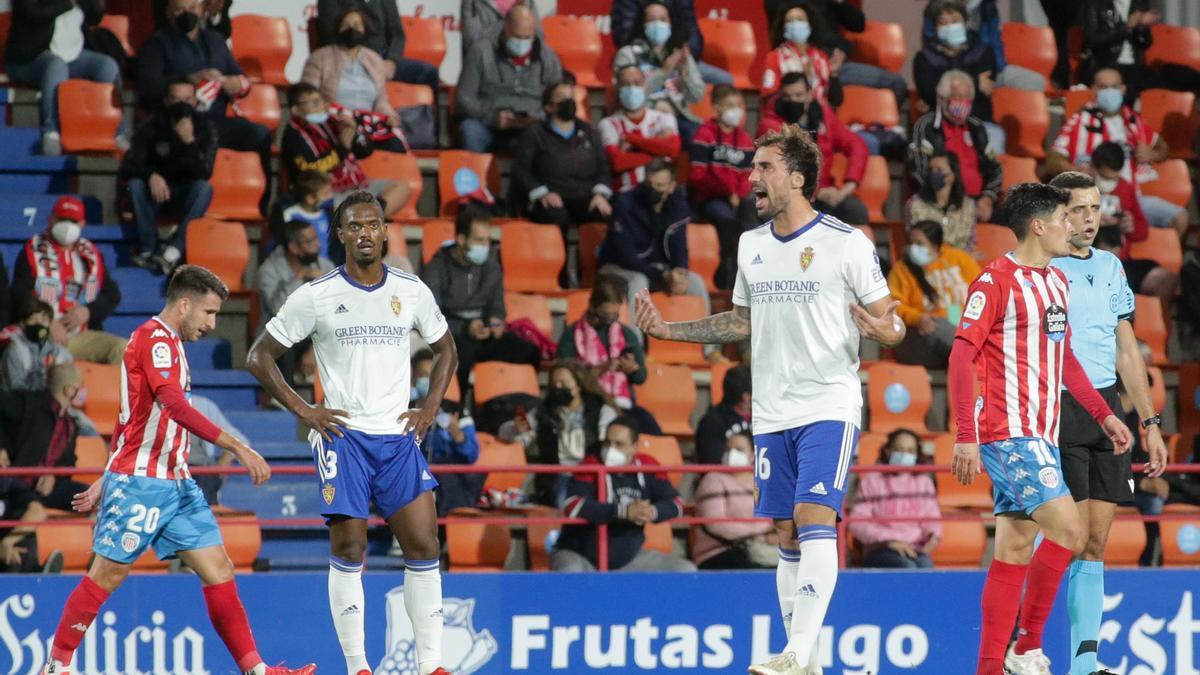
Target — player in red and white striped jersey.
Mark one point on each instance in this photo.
(1014, 334)
(147, 497)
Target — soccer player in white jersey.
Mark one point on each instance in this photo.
(801, 279)
(366, 443)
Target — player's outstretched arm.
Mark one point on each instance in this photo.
(731, 326)
(445, 364)
(1132, 369)
(261, 362)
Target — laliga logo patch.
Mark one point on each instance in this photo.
(1054, 323)
(975, 305)
(464, 650)
(1048, 477)
(806, 258)
(130, 541)
(327, 492)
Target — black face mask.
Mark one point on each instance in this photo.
(179, 110)
(187, 22)
(558, 397)
(351, 38)
(37, 333)
(565, 110)
(308, 259)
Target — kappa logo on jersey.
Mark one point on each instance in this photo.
(341, 309)
(806, 258)
(108, 541)
(465, 650)
(1048, 477)
(159, 333)
(160, 355)
(1054, 323)
(975, 305)
(1020, 473)
(757, 260)
(1029, 491)
(985, 278)
(120, 478)
(1014, 457)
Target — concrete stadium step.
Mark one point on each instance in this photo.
(265, 426)
(33, 209)
(208, 353)
(229, 389)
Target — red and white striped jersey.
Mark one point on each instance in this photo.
(1089, 127)
(148, 442)
(1017, 317)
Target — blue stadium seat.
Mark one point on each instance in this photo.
(273, 450)
(264, 426)
(56, 183)
(208, 353)
(227, 388)
(137, 305)
(125, 325)
(32, 210)
(284, 496)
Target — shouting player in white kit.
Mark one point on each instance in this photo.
(801, 279)
(367, 442)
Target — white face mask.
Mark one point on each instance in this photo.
(902, 459)
(614, 457)
(735, 457)
(66, 232)
(732, 117)
(1106, 185)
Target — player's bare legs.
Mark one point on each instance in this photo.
(415, 527)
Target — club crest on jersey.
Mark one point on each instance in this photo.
(806, 258)
(327, 492)
(1054, 323)
(395, 305)
(1048, 477)
(130, 541)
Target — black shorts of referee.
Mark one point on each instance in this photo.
(1091, 468)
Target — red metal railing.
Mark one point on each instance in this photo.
(601, 472)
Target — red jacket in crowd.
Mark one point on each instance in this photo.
(832, 137)
(720, 163)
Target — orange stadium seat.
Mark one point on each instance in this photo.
(103, 384)
(1031, 47)
(88, 116)
(405, 95)
(397, 244)
(425, 39)
(577, 302)
(898, 397)
(659, 538)
(875, 185)
(262, 46)
(591, 236)
(730, 45)
(703, 108)
(1172, 114)
(664, 449)
(962, 545)
(576, 41)
(74, 540)
(474, 547)
(402, 168)
(238, 184)
(434, 235)
(453, 393)
(954, 495)
(1174, 44)
(1160, 245)
(221, 247)
(669, 393)
(1149, 327)
(677, 308)
(1018, 170)
(243, 540)
(993, 241)
(262, 106)
(1126, 540)
(462, 175)
(532, 307)
(1158, 387)
(532, 256)
(880, 44)
(582, 107)
(1025, 116)
(91, 452)
(1181, 538)
(1074, 100)
(118, 24)
(870, 446)
(496, 378)
(494, 452)
(867, 105)
(1173, 184)
(716, 387)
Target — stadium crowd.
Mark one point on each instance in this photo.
(674, 152)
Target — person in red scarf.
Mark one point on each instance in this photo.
(64, 269)
(315, 139)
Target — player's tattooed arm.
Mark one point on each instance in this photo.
(731, 326)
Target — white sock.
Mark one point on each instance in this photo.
(423, 602)
(347, 606)
(260, 669)
(815, 581)
(785, 585)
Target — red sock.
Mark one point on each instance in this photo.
(1001, 597)
(1045, 573)
(78, 614)
(229, 618)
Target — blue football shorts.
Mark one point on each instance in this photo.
(138, 511)
(359, 468)
(1025, 473)
(808, 464)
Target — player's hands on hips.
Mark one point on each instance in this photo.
(1118, 433)
(1157, 450)
(964, 463)
(260, 471)
(325, 421)
(86, 501)
(884, 329)
(416, 421)
(649, 320)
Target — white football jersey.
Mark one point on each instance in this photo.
(804, 344)
(361, 335)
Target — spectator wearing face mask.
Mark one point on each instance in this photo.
(791, 36)
(66, 270)
(483, 20)
(32, 351)
(951, 128)
(726, 418)
(626, 22)
(732, 546)
(632, 501)
(296, 261)
(930, 282)
(560, 169)
(635, 134)
(982, 23)
(897, 544)
(451, 440)
(1109, 119)
(384, 36)
(719, 176)
(499, 92)
(943, 199)
(673, 81)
